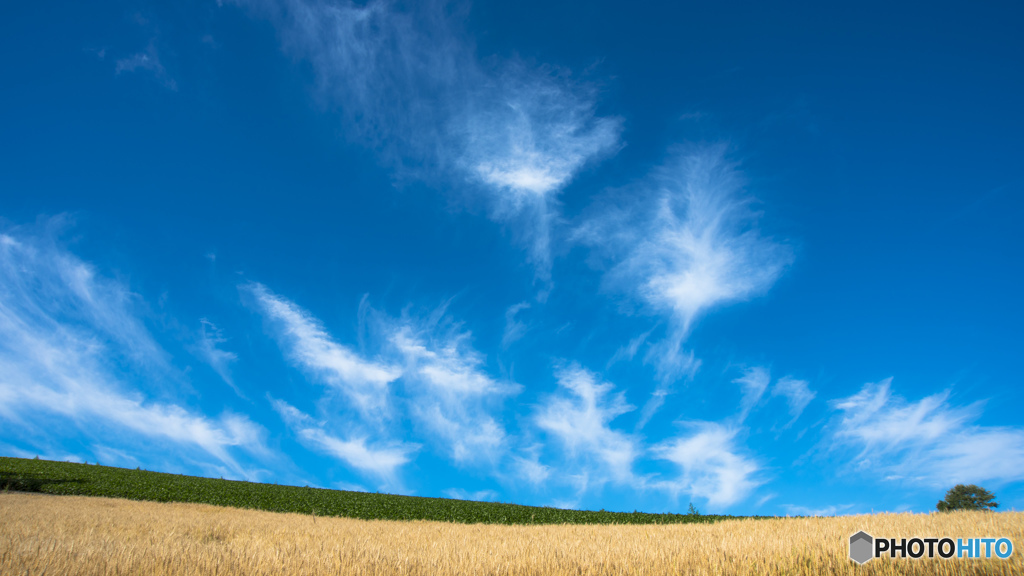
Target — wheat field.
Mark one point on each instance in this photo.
(43, 534)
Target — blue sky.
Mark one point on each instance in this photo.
(764, 259)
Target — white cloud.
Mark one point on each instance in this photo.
(711, 465)
(220, 360)
(393, 73)
(478, 496)
(514, 329)
(928, 441)
(135, 62)
(62, 329)
(530, 469)
(310, 347)
(381, 462)
(628, 352)
(450, 366)
(350, 487)
(448, 393)
(797, 394)
(684, 243)
(149, 60)
(580, 419)
(46, 286)
(702, 247)
(754, 383)
(531, 132)
(366, 385)
(524, 139)
(466, 436)
(411, 86)
(112, 456)
(451, 394)
(42, 454)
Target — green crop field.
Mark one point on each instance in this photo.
(67, 478)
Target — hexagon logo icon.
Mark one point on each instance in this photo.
(861, 545)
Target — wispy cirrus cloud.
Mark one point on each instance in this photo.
(424, 369)
(394, 74)
(309, 347)
(579, 418)
(364, 439)
(711, 465)
(514, 328)
(528, 467)
(48, 286)
(65, 332)
(524, 138)
(529, 131)
(685, 242)
(148, 61)
(380, 460)
(410, 85)
(478, 496)
(929, 441)
(207, 348)
(754, 382)
(797, 393)
(450, 393)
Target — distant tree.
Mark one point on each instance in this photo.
(693, 511)
(969, 497)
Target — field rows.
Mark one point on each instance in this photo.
(65, 478)
(88, 535)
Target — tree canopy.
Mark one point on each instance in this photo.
(967, 497)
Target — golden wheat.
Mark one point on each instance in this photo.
(41, 534)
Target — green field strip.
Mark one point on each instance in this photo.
(67, 478)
